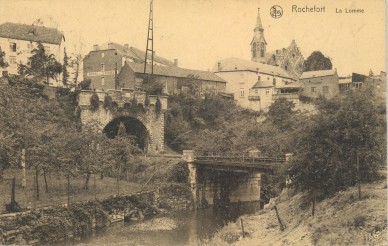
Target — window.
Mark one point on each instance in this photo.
(102, 54)
(12, 60)
(266, 92)
(102, 67)
(256, 92)
(326, 89)
(313, 89)
(242, 92)
(262, 50)
(254, 50)
(12, 47)
(102, 81)
(274, 81)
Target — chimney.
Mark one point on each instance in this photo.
(126, 47)
(96, 47)
(176, 62)
(219, 66)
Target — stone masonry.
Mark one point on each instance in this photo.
(99, 118)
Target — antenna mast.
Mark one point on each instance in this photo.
(150, 41)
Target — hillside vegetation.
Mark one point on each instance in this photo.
(339, 220)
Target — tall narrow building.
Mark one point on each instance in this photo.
(258, 44)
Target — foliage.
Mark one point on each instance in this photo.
(42, 65)
(280, 112)
(65, 73)
(152, 86)
(3, 63)
(147, 101)
(158, 106)
(108, 102)
(327, 146)
(94, 102)
(179, 173)
(317, 61)
(85, 84)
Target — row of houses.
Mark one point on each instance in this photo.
(253, 84)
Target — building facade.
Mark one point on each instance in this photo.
(18, 41)
(174, 79)
(104, 63)
(256, 85)
(320, 83)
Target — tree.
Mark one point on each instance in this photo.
(3, 63)
(280, 112)
(42, 65)
(339, 147)
(65, 73)
(371, 73)
(317, 61)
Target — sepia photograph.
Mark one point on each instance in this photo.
(196, 122)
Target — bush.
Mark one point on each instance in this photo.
(179, 173)
(94, 102)
(108, 102)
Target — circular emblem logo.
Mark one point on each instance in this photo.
(276, 11)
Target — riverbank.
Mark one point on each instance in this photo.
(339, 220)
(61, 223)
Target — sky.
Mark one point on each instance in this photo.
(200, 32)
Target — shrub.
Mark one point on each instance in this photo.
(108, 102)
(158, 106)
(94, 102)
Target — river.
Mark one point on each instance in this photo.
(176, 228)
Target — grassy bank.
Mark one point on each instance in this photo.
(57, 189)
(339, 220)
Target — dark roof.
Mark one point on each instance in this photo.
(31, 33)
(319, 73)
(176, 72)
(235, 64)
(135, 53)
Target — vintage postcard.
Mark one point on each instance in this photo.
(196, 122)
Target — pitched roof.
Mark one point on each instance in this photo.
(236, 64)
(31, 33)
(320, 73)
(135, 53)
(176, 72)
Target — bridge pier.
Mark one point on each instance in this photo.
(220, 186)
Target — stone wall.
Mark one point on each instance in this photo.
(99, 118)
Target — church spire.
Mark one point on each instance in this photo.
(258, 44)
(259, 26)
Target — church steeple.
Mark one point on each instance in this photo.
(258, 44)
(259, 26)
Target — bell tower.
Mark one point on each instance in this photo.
(258, 44)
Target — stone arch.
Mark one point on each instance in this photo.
(134, 126)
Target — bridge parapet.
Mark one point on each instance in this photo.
(120, 97)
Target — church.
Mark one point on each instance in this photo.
(289, 59)
(266, 77)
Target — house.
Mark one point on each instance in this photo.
(256, 85)
(18, 40)
(103, 64)
(320, 83)
(174, 79)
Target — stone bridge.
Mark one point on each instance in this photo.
(141, 121)
(220, 179)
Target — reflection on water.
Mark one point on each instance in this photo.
(178, 228)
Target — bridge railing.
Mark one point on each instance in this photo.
(233, 157)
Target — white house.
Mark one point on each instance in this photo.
(256, 85)
(18, 40)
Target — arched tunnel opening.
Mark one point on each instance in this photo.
(133, 127)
